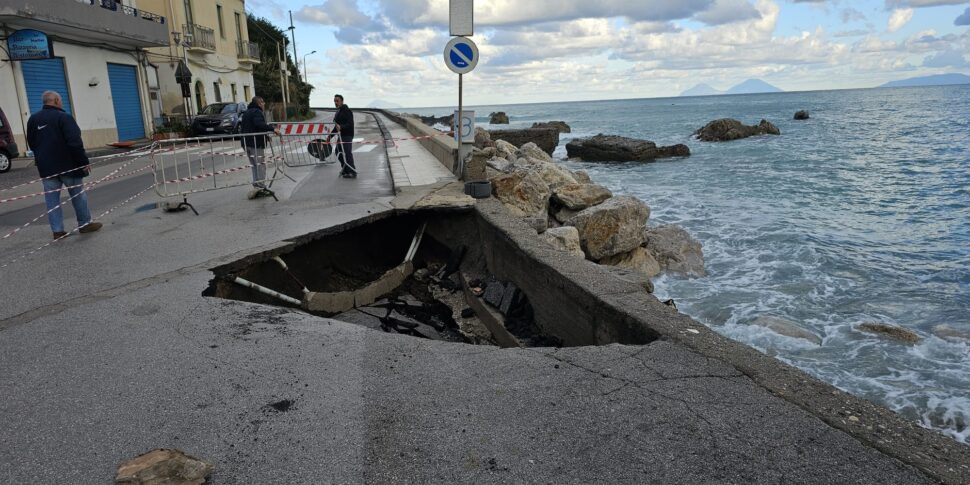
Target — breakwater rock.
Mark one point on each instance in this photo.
(557, 125)
(802, 115)
(729, 129)
(610, 148)
(499, 118)
(545, 138)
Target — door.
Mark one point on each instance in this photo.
(45, 75)
(127, 102)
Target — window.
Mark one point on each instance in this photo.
(246, 97)
(189, 19)
(222, 29)
(234, 95)
(238, 26)
(215, 89)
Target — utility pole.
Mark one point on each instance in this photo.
(283, 83)
(293, 38)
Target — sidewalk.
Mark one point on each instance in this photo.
(108, 350)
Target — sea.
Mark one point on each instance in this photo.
(860, 214)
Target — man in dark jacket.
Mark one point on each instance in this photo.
(253, 121)
(344, 121)
(55, 138)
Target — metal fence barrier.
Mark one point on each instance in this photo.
(308, 144)
(188, 166)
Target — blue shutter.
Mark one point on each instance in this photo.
(127, 102)
(45, 75)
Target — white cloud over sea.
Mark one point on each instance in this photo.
(547, 50)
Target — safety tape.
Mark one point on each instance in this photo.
(302, 128)
(140, 151)
(101, 216)
(68, 187)
(372, 142)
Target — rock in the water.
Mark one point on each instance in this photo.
(729, 129)
(614, 227)
(582, 177)
(483, 139)
(787, 328)
(524, 193)
(632, 276)
(499, 118)
(675, 250)
(168, 467)
(580, 196)
(608, 148)
(564, 238)
(638, 260)
(531, 151)
(506, 150)
(558, 125)
(802, 115)
(947, 332)
(546, 138)
(898, 333)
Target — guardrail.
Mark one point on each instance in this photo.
(247, 50)
(116, 6)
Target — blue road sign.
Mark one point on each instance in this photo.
(461, 55)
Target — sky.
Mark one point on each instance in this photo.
(390, 52)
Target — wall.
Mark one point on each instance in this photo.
(443, 148)
(92, 106)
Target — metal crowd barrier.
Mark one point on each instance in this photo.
(188, 166)
(308, 144)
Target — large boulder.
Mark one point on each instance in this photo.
(802, 115)
(531, 151)
(476, 167)
(565, 239)
(614, 227)
(582, 177)
(787, 328)
(506, 150)
(524, 193)
(638, 260)
(546, 138)
(553, 175)
(609, 148)
(579, 196)
(898, 333)
(483, 139)
(675, 250)
(499, 118)
(557, 125)
(164, 466)
(728, 129)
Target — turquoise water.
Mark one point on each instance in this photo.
(861, 214)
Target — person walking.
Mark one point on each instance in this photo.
(344, 124)
(253, 121)
(61, 161)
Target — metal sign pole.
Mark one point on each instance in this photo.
(460, 162)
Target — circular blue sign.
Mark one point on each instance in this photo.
(461, 55)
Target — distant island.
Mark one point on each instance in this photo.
(751, 86)
(380, 103)
(937, 80)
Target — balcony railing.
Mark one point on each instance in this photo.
(116, 6)
(201, 37)
(248, 51)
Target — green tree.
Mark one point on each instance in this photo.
(266, 75)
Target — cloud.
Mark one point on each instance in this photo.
(899, 18)
(338, 13)
(891, 4)
(851, 15)
(963, 19)
(950, 58)
(728, 11)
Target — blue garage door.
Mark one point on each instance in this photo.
(45, 75)
(127, 101)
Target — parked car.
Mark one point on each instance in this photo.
(218, 119)
(8, 147)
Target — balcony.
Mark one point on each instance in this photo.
(248, 52)
(91, 21)
(200, 39)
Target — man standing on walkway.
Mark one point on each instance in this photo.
(253, 121)
(55, 138)
(344, 121)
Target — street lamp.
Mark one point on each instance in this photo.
(185, 40)
(305, 78)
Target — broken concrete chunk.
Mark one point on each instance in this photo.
(163, 467)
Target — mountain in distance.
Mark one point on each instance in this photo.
(937, 80)
(751, 86)
(380, 103)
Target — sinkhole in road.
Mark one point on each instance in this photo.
(438, 275)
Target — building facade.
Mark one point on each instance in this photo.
(216, 47)
(99, 65)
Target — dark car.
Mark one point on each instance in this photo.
(218, 119)
(8, 147)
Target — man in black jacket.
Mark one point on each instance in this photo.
(344, 121)
(55, 138)
(253, 121)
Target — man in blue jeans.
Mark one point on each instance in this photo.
(55, 138)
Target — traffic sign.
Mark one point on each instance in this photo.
(461, 55)
(462, 17)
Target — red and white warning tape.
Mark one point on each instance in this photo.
(94, 161)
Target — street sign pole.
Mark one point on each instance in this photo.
(461, 56)
(460, 162)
